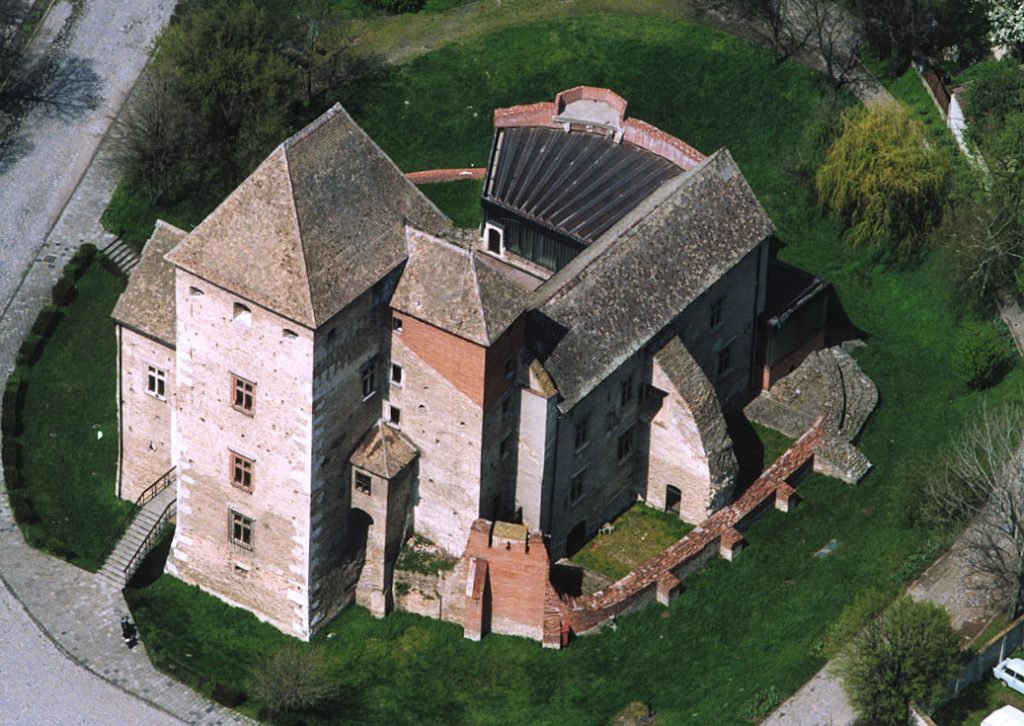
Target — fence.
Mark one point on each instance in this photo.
(995, 650)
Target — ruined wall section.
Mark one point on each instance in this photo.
(690, 447)
(270, 576)
(145, 430)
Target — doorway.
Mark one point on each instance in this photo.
(672, 497)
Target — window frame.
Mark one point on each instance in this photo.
(158, 377)
(576, 485)
(626, 393)
(244, 523)
(582, 426)
(624, 445)
(238, 385)
(500, 229)
(238, 466)
(717, 315)
(368, 372)
(723, 353)
(397, 380)
(357, 476)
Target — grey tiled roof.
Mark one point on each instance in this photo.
(319, 221)
(645, 271)
(384, 451)
(147, 304)
(459, 290)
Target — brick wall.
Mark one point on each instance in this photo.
(434, 176)
(506, 585)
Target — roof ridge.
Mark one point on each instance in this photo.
(307, 288)
(312, 126)
(384, 446)
(479, 296)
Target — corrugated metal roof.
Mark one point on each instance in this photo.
(576, 183)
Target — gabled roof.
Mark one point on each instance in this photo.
(319, 222)
(645, 271)
(384, 451)
(147, 304)
(458, 289)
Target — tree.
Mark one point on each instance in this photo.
(294, 678)
(884, 180)
(905, 656)
(1006, 23)
(837, 36)
(981, 482)
(777, 23)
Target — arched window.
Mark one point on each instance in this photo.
(241, 315)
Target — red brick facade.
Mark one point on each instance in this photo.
(459, 361)
(787, 365)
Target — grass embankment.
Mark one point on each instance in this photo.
(70, 436)
(641, 532)
(738, 627)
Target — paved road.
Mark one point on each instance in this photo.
(110, 41)
(38, 685)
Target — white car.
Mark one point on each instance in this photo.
(1011, 673)
(1005, 716)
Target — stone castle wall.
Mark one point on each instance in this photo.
(272, 578)
(145, 425)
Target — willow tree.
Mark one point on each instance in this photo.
(884, 179)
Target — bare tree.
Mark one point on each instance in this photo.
(982, 482)
(836, 35)
(777, 23)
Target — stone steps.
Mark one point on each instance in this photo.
(124, 257)
(146, 520)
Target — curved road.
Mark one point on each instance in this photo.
(38, 685)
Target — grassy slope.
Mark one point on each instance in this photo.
(738, 626)
(69, 472)
(641, 532)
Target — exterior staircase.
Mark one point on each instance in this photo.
(140, 531)
(122, 256)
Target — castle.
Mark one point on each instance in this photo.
(329, 365)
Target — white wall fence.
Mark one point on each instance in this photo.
(995, 650)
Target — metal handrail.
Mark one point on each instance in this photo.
(164, 481)
(169, 511)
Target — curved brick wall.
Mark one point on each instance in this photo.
(444, 175)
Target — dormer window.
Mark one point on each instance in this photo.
(494, 238)
(241, 315)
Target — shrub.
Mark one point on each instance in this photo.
(228, 695)
(394, 7)
(30, 349)
(13, 479)
(110, 266)
(73, 270)
(980, 355)
(10, 422)
(84, 255)
(852, 620)
(11, 454)
(46, 321)
(16, 388)
(907, 655)
(293, 678)
(64, 291)
(24, 511)
(884, 180)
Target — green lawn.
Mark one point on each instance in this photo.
(977, 702)
(641, 532)
(70, 436)
(738, 627)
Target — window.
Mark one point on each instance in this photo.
(506, 406)
(363, 482)
(156, 383)
(611, 421)
(716, 312)
(625, 446)
(506, 446)
(396, 324)
(243, 395)
(510, 366)
(240, 529)
(396, 374)
(395, 415)
(289, 334)
(241, 315)
(626, 391)
(368, 373)
(582, 433)
(242, 471)
(723, 360)
(576, 485)
(495, 238)
(195, 292)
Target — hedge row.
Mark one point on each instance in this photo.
(12, 454)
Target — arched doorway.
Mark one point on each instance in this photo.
(359, 523)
